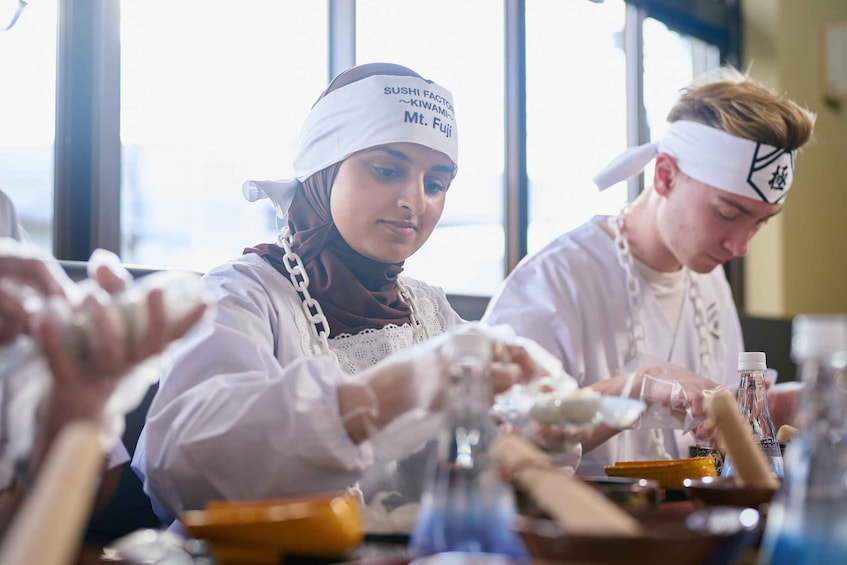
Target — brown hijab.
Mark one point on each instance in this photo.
(356, 293)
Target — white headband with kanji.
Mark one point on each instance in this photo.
(714, 157)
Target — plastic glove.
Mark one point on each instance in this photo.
(675, 397)
(542, 375)
(27, 277)
(87, 342)
(398, 401)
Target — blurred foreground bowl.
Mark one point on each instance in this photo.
(264, 531)
(712, 535)
(723, 491)
(629, 493)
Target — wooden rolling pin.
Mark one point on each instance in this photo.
(49, 526)
(751, 466)
(575, 506)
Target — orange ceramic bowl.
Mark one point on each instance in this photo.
(258, 530)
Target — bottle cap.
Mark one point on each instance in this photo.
(818, 336)
(470, 342)
(752, 361)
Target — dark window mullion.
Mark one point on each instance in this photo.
(516, 208)
(636, 116)
(341, 16)
(87, 147)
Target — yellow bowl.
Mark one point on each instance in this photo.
(312, 526)
(668, 473)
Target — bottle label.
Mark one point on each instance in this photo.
(717, 456)
(767, 442)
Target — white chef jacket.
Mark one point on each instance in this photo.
(248, 406)
(571, 297)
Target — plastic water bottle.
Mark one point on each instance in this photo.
(807, 520)
(466, 507)
(752, 402)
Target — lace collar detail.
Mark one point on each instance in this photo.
(366, 348)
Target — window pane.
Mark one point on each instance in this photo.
(464, 53)
(576, 112)
(27, 116)
(212, 93)
(671, 61)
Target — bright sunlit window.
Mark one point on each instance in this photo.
(671, 61)
(215, 93)
(576, 112)
(463, 53)
(27, 114)
(212, 94)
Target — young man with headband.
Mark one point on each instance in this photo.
(645, 288)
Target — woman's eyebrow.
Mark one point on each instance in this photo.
(400, 155)
(393, 152)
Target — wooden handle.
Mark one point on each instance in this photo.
(48, 528)
(751, 465)
(576, 507)
(785, 433)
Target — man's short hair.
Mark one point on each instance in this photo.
(733, 102)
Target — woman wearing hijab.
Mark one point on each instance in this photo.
(290, 390)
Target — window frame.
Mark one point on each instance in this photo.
(87, 171)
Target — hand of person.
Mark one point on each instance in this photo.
(514, 363)
(675, 397)
(81, 386)
(416, 379)
(33, 292)
(21, 273)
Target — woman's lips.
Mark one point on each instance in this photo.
(404, 228)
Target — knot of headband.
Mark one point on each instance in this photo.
(373, 111)
(712, 156)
